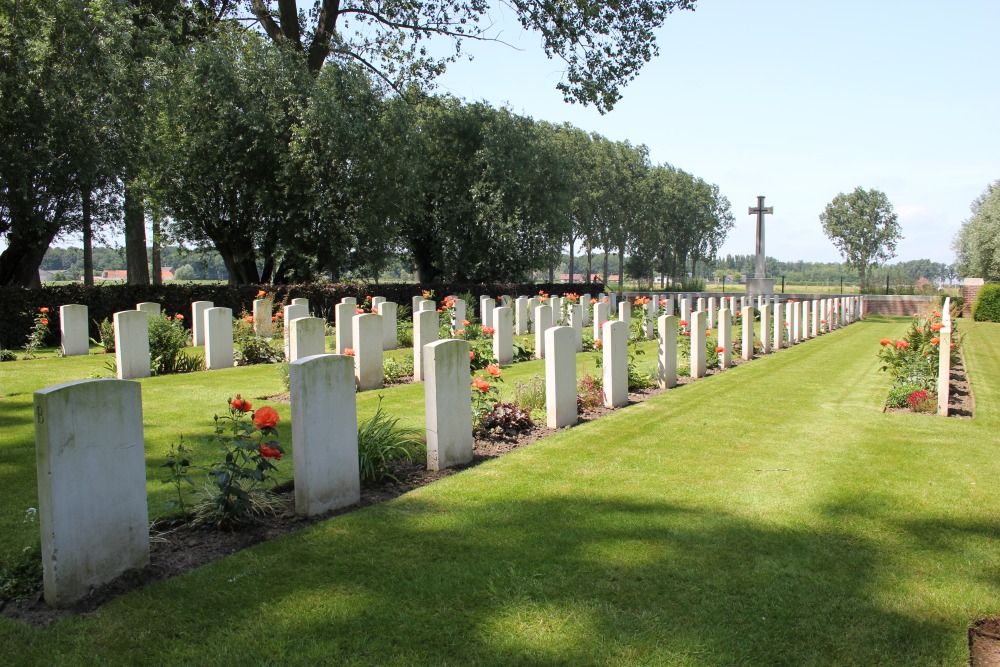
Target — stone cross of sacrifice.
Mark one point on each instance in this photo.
(760, 212)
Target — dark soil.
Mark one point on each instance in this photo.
(984, 642)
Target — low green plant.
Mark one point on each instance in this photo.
(485, 395)
(381, 441)
(394, 371)
(167, 341)
(987, 305)
(530, 394)
(900, 394)
(481, 355)
(39, 330)
(21, 574)
(8, 355)
(249, 348)
(589, 393)
(283, 369)
(522, 352)
(179, 463)
(106, 332)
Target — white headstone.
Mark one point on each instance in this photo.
(306, 337)
(290, 314)
(686, 310)
(74, 327)
(585, 305)
(533, 302)
(666, 351)
(350, 299)
(150, 308)
(765, 328)
(324, 433)
(262, 317)
(425, 331)
(218, 338)
(615, 366)
(132, 344)
(699, 363)
(91, 463)
(448, 401)
(713, 312)
(779, 325)
(376, 300)
(486, 306)
(560, 377)
(600, 317)
(543, 321)
(747, 342)
(426, 306)
(725, 339)
(415, 303)
(503, 335)
(814, 318)
(576, 312)
(390, 336)
(556, 304)
(625, 312)
(521, 316)
(198, 309)
(300, 302)
(343, 315)
(367, 330)
(458, 315)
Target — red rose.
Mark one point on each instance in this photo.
(720, 349)
(265, 417)
(239, 404)
(270, 452)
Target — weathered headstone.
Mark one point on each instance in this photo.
(262, 317)
(779, 325)
(576, 312)
(765, 328)
(426, 306)
(560, 377)
(625, 312)
(533, 302)
(132, 344)
(585, 307)
(367, 334)
(350, 299)
(198, 309)
(448, 401)
(218, 338)
(425, 331)
(306, 337)
(713, 312)
(301, 301)
(458, 315)
(376, 300)
(390, 333)
(666, 352)
(90, 458)
(503, 335)
(486, 306)
(415, 303)
(686, 310)
(615, 363)
(600, 317)
(324, 433)
(73, 326)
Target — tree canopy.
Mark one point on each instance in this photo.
(977, 243)
(863, 228)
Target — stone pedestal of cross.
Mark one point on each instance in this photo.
(760, 283)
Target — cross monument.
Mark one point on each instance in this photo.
(760, 284)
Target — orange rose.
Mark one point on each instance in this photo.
(349, 351)
(465, 323)
(261, 293)
(902, 345)
(935, 340)
(493, 370)
(937, 326)
(460, 332)
(683, 323)
(43, 310)
(884, 342)
(179, 316)
(489, 331)
(45, 322)
(598, 343)
(359, 311)
(720, 349)
(472, 355)
(481, 385)
(265, 417)
(241, 405)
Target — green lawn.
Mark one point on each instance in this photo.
(771, 514)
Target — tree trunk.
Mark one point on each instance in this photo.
(572, 264)
(621, 267)
(88, 239)
(157, 277)
(590, 262)
(135, 236)
(20, 261)
(552, 273)
(605, 265)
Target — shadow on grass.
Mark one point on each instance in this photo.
(545, 580)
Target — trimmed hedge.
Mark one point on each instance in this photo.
(18, 305)
(987, 305)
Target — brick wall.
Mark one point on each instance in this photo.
(969, 293)
(893, 304)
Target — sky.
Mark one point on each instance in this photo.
(797, 101)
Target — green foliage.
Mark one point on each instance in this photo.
(863, 227)
(987, 305)
(8, 355)
(251, 349)
(977, 244)
(38, 333)
(178, 463)
(482, 354)
(381, 440)
(106, 335)
(530, 394)
(523, 353)
(21, 574)
(900, 394)
(167, 342)
(394, 371)
(589, 392)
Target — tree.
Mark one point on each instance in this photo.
(603, 44)
(977, 244)
(863, 228)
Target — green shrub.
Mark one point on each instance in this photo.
(381, 440)
(530, 395)
(8, 355)
(394, 371)
(249, 348)
(900, 394)
(987, 305)
(589, 393)
(106, 331)
(167, 340)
